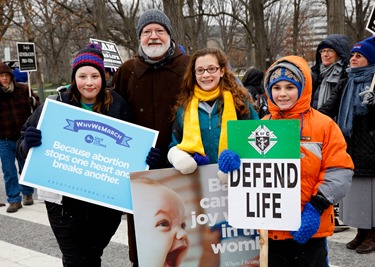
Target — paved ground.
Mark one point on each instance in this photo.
(26, 240)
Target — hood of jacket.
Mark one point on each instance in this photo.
(340, 43)
(4, 68)
(303, 102)
(253, 77)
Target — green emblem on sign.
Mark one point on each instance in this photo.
(271, 139)
(262, 139)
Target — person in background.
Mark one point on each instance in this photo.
(329, 79)
(82, 229)
(210, 96)
(326, 167)
(150, 83)
(16, 105)
(329, 75)
(252, 80)
(108, 77)
(356, 119)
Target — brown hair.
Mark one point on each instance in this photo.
(103, 99)
(228, 82)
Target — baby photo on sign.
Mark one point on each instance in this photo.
(182, 220)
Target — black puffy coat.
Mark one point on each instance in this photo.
(340, 43)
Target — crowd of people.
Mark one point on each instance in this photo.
(188, 99)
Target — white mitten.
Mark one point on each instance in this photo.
(223, 177)
(181, 160)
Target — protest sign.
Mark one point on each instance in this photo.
(26, 56)
(87, 155)
(181, 220)
(371, 22)
(112, 58)
(265, 192)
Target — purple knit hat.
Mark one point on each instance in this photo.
(92, 56)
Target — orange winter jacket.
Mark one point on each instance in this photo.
(325, 165)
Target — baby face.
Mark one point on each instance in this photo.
(160, 225)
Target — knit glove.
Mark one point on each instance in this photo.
(181, 160)
(368, 96)
(228, 161)
(310, 220)
(32, 137)
(201, 160)
(153, 157)
(310, 223)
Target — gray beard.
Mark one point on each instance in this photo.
(155, 52)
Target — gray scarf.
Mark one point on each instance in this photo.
(331, 76)
(8, 89)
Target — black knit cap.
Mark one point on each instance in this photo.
(153, 16)
(4, 68)
(92, 56)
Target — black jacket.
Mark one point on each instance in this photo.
(340, 43)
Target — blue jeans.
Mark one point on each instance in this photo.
(8, 164)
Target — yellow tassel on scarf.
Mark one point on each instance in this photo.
(192, 140)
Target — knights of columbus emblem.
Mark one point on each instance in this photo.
(262, 139)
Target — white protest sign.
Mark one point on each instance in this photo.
(265, 193)
(112, 58)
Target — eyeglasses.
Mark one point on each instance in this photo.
(158, 32)
(210, 70)
(327, 50)
(356, 55)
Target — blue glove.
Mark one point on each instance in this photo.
(201, 160)
(310, 223)
(229, 161)
(153, 157)
(32, 137)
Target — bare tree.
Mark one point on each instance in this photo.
(261, 45)
(336, 16)
(357, 13)
(252, 32)
(278, 29)
(174, 10)
(6, 16)
(196, 25)
(122, 27)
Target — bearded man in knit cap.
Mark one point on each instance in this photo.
(150, 83)
(16, 106)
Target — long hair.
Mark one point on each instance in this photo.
(228, 82)
(103, 99)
